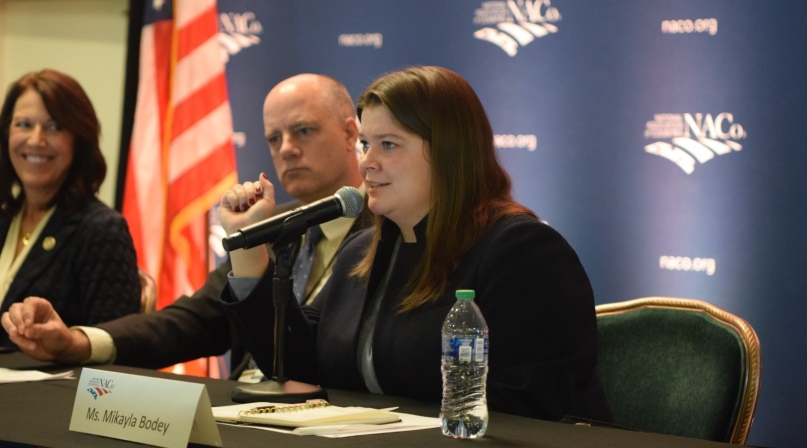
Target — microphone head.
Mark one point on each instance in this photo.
(352, 201)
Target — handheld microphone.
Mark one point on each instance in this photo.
(347, 202)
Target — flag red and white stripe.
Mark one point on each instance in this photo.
(181, 156)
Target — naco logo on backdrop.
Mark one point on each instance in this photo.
(375, 40)
(695, 138)
(705, 265)
(519, 22)
(238, 31)
(688, 26)
(520, 141)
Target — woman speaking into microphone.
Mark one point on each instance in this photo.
(445, 220)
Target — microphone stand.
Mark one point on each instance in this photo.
(280, 389)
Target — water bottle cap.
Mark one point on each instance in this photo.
(465, 294)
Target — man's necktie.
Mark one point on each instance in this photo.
(305, 259)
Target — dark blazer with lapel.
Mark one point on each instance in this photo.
(530, 287)
(191, 327)
(90, 274)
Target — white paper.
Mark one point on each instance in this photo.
(21, 376)
(408, 422)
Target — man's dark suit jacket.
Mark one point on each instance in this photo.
(89, 275)
(191, 327)
(531, 289)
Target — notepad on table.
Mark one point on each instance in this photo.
(314, 413)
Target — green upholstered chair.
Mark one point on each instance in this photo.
(679, 366)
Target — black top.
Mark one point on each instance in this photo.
(530, 286)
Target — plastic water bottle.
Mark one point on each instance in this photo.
(465, 370)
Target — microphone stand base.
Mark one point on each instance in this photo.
(278, 392)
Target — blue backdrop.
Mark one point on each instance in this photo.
(663, 139)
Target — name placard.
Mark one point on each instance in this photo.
(142, 409)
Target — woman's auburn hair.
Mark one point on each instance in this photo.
(469, 188)
(70, 107)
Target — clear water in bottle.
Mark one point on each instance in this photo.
(464, 413)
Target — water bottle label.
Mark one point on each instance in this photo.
(479, 350)
(465, 353)
(465, 350)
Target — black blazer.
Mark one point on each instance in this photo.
(191, 327)
(90, 275)
(530, 287)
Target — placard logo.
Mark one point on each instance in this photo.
(519, 22)
(695, 138)
(238, 31)
(99, 387)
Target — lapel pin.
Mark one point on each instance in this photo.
(49, 243)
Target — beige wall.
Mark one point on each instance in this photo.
(83, 38)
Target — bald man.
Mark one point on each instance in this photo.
(310, 125)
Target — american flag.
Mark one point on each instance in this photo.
(181, 156)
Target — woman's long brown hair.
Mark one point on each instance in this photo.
(470, 189)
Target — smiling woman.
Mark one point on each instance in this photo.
(58, 241)
(40, 150)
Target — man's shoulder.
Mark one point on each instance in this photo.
(357, 241)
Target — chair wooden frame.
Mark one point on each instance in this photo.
(753, 363)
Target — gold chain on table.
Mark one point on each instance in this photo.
(284, 409)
